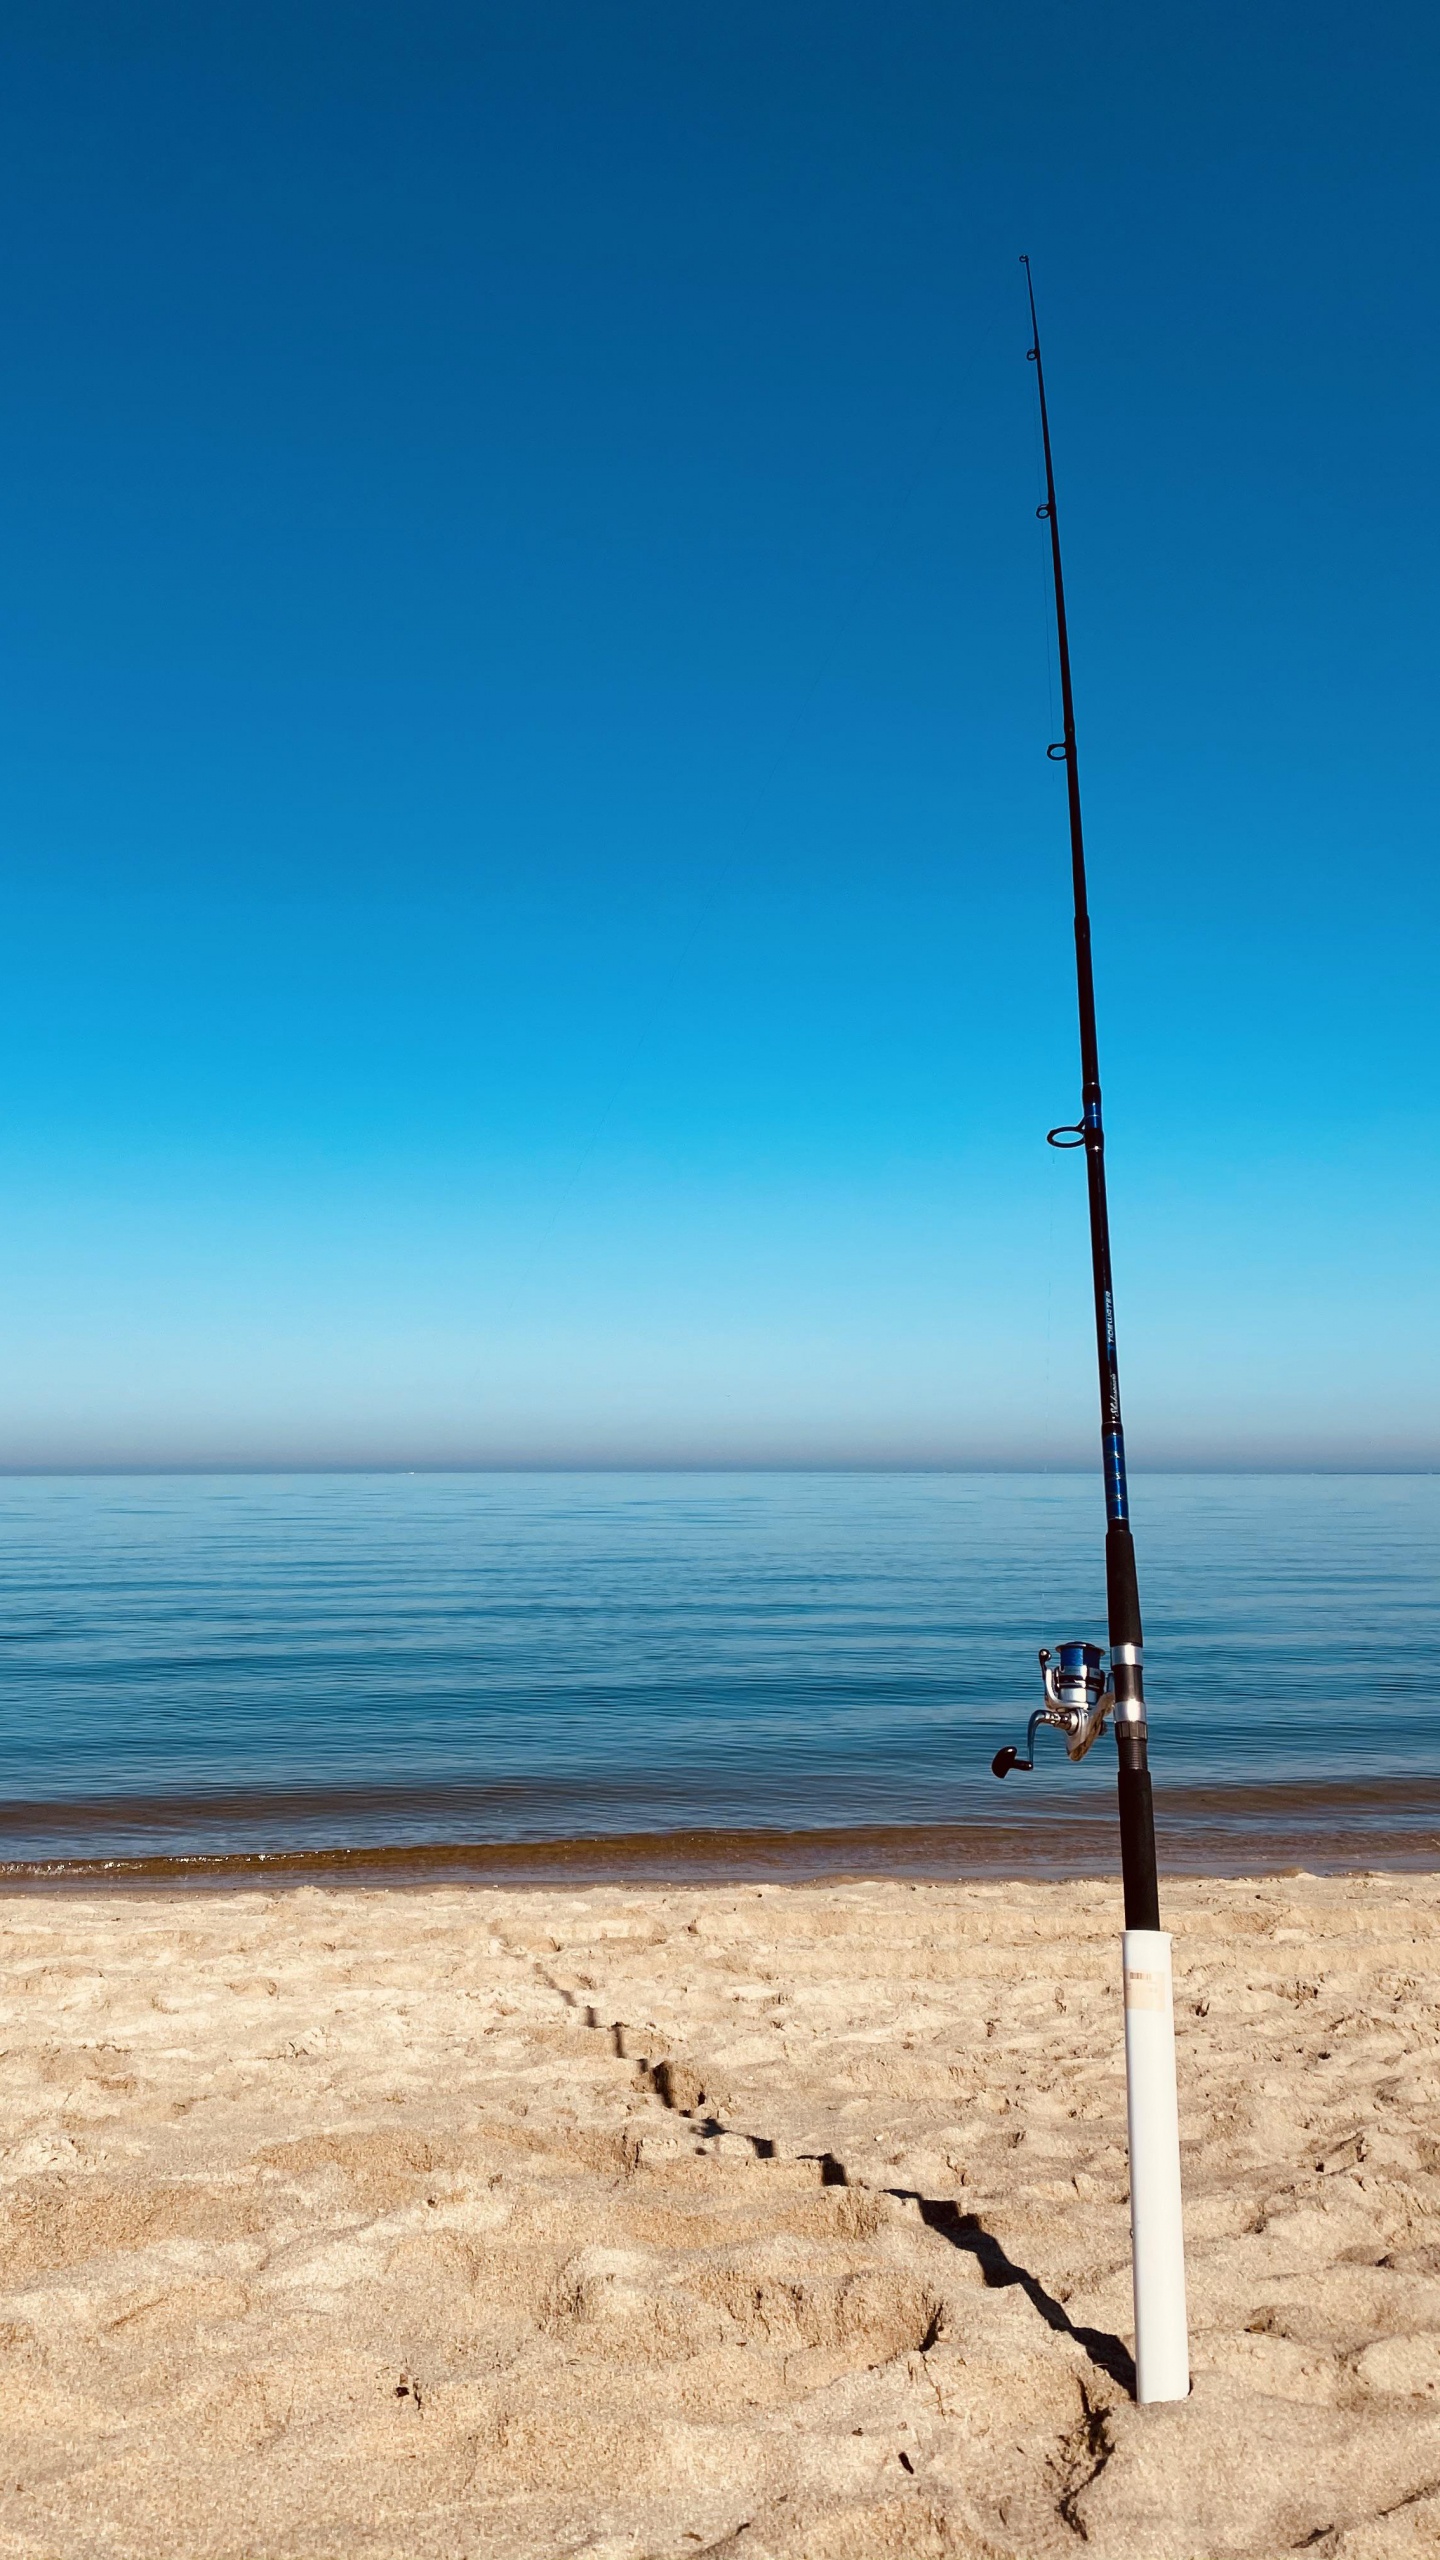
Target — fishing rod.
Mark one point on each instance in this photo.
(1078, 1695)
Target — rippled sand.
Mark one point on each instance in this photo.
(780, 2220)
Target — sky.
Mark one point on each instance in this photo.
(535, 912)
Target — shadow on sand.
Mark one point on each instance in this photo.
(964, 2231)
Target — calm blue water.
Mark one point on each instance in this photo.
(241, 1663)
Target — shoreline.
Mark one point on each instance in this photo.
(1378, 1825)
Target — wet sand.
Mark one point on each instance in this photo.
(1044, 1826)
(766, 2219)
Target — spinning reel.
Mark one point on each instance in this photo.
(1078, 1698)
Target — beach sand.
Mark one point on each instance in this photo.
(761, 2220)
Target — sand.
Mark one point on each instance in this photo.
(778, 2220)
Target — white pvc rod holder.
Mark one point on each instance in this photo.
(1162, 2341)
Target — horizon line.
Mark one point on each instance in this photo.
(710, 1466)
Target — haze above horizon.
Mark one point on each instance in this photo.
(537, 920)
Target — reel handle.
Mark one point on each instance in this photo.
(1078, 1698)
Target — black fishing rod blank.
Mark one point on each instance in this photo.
(1079, 1696)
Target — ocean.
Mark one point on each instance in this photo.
(689, 1673)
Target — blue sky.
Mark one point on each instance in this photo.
(535, 912)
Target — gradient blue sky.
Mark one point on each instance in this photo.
(535, 912)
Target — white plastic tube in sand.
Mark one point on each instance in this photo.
(1162, 2342)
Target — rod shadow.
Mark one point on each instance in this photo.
(964, 2231)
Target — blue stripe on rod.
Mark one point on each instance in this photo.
(1117, 1498)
